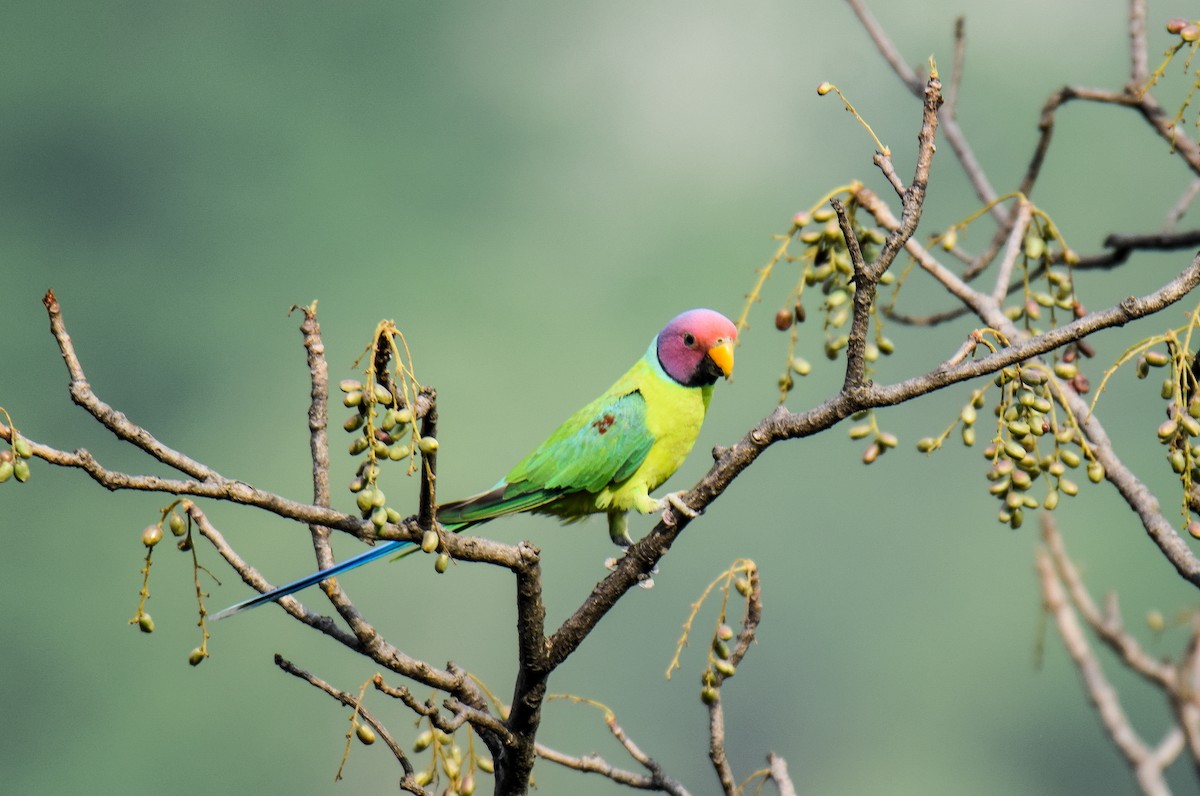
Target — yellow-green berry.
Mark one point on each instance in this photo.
(152, 535)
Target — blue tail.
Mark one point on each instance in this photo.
(378, 551)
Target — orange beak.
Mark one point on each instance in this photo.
(722, 355)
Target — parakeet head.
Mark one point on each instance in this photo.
(696, 348)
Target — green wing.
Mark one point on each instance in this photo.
(604, 443)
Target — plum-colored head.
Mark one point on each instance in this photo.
(696, 348)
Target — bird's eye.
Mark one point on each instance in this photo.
(689, 340)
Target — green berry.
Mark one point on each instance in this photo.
(145, 623)
(152, 535)
(177, 525)
(442, 563)
(430, 541)
(196, 656)
(21, 470)
(365, 734)
(21, 446)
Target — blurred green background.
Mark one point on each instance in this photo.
(531, 189)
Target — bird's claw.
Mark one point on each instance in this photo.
(674, 500)
(644, 581)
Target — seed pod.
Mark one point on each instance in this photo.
(950, 239)
(354, 422)
(800, 366)
(177, 525)
(1156, 359)
(430, 541)
(1065, 370)
(152, 535)
(708, 695)
(1035, 247)
(871, 453)
(725, 667)
(1167, 390)
(423, 741)
(381, 394)
(725, 632)
(858, 432)
(427, 445)
(823, 215)
(1018, 428)
(968, 435)
(441, 564)
(1021, 480)
(379, 517)
(353, 398)
(720, 649)
(887, 440)
(359, 445)
(398, 452)
(1190, 425)
(365, 499)
(926, 444)
(196, 656)
(810, 237)
(1190, 33)
(350, 385)
(1167, 429)
(145, 623)
(1016, 519)
(21, 470)
(784, 319)
(1014, 450)
(365, 734)
(743, 586)
(1178, 461)
(1069, 457)
(1000, 487)
(1051, 501)
(1095, 472)
(393, 516)
(425, 777)
(1068, 487)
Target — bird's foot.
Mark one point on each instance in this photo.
(644, 581)
(674, 500)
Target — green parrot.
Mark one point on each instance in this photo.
(607, 457)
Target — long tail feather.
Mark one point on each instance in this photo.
(376, 552)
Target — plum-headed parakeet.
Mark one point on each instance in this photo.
(607, 457)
